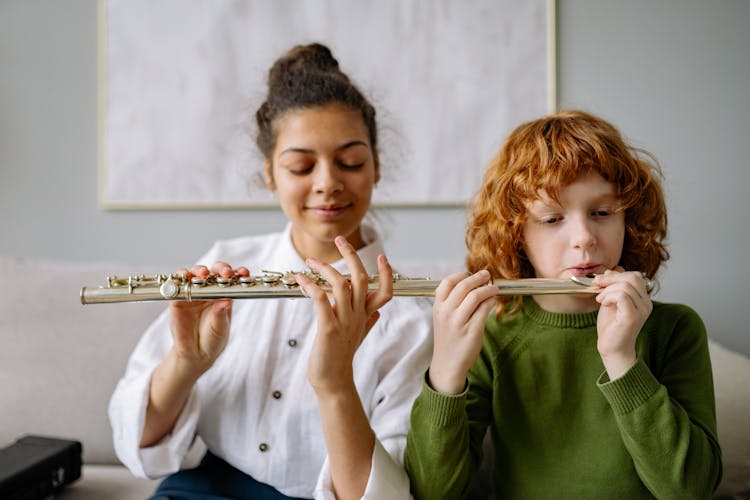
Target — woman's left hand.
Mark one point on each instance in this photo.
(625, 306)
(343, 324)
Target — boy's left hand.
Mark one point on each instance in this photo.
(625, 306)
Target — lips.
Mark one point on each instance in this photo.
(330, 211)
(584, 269)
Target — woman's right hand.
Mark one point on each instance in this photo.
(200, 329)
(461, 307)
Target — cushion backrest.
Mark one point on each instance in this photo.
(60, 360)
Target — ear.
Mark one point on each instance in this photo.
(268, 175)
(376, 161)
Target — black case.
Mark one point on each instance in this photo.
(35, 467)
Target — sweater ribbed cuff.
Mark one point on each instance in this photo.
(445, 409)
(630, 391)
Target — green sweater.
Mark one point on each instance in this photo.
(560, 428)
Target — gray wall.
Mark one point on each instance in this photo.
(673, 75)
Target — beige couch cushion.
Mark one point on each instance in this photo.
(732, 386)
(110, 482)
(60, 360)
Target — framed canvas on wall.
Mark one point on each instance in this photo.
(180, 81)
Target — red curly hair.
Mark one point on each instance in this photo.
(549, 154)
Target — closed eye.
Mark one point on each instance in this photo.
(351, 166)
(302, 170)
(602, 213)
(550, 220)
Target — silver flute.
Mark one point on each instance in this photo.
(271, 284)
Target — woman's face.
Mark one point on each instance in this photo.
(582, 234)
(323, 170)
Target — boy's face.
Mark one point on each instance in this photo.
(583, 234)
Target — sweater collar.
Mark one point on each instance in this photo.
(558, 320)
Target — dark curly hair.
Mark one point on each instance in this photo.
(304, 77)
(549, 154)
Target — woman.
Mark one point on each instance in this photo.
(287, 406)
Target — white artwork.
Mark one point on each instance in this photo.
(181, 80)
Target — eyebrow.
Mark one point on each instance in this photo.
(549, 202)
(340, 148)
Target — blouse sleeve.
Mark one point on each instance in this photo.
(127, 411)
(404, 347)
(127, 407)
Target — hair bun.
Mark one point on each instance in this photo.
(304, 77)
(303, 60)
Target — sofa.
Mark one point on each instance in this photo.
(60, 361)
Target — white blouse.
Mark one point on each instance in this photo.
(255, 407)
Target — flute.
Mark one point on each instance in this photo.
(270, 284)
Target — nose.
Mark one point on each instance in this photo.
(582, 235)
(327, 180)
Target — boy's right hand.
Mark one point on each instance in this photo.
(461, 307)
(200, 329)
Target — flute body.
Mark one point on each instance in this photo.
(142, 288)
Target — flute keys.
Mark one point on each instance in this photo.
(246, 281)
(287, 279)
(270, 279)
(213, 279)
(169, 289)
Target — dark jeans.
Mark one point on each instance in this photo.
(214, 479)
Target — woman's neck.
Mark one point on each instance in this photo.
(323, 251)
